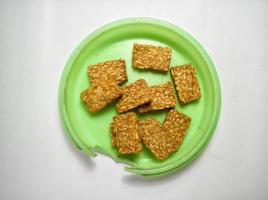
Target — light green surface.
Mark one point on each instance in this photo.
(90, 131)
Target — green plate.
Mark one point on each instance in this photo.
(90, 131)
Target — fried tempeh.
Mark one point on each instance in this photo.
(162, 97)
(124, 133)
(187, 85)
(154, 138)
(100, 94)
(151, 57)
(113, 70)
(134, 95)
(175, 127)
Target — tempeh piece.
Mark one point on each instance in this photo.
(162, 97)
(134, 95)
(100, 94)
(151, 57)
(124, 133)
(186, 82)
(175, 126)
(113, 70)
(154, 138)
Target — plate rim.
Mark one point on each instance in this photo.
(88, 150)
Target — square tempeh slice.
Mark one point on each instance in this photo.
(162, 97)
(151, 57)
(124, 133)
(113, 70)
(134, 95)
(175, 126)
(154, 138)
(100, 94)
(186, 82)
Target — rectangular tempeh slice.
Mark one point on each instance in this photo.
(124, 133)
(99, 94)
(134, 95)
(113, 70)
(162, 97)
(186, 82)
(151, 57)
(154, 138)
(175, 126)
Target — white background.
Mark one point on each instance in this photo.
(37, 161)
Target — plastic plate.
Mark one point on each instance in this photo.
(90, 131)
